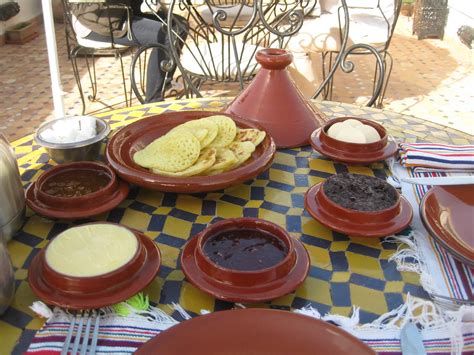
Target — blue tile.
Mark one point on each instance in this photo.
(293, 224)
(369, 282)
(169, 200)
(364, 250)
(116, 215)
(29, 258)
(340, 294)
(184, 215)
(287, 168)
(301, 180)
(257, 193)
(56, 229)
(315, 241)
(302, 162)
(16, 318)
(157, 223)
(280, 186)
(208, 208)
(197, 228)
(415, 290)
(170, 292)
(393, 300)
(220, 305)
(367, 317)
(170, 240)
(234, 200)
(320, 174)
(390, 271)
(297, 200)
(339, 237)
(24, 342)
(164, 271)
(274, 207)
(27, 238)
(251, 212)
(142, 207)
(28, 175)
(340, 168)
(339, 261)
(319, 273)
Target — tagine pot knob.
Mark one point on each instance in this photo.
(273, 101)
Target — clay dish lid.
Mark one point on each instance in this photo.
(55, 288)
(353, 153)
(446, 212)
(254, 331)
(104, 199)
(128, 140)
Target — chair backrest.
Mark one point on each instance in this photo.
(224, 36)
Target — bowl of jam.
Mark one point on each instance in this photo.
(245, 252)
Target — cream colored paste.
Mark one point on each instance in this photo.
(91, 250)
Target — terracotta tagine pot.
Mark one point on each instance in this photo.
(273, 100)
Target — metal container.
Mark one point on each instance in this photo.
(79, 151)
(12, 195)
(7, 279)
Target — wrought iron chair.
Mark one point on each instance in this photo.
(224, 37)
(371, 27)
(87, 51)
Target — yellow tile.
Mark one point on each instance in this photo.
(21, 274)
(240, 191)
(365, 265)
(278, 196)
(169, 255)
(341, 276)
(368, 299)
(253, 204)
(153, 290)
(284, 300)
(311, 227)
(36, 323)
(136, 219)
(193, 299)
(18, 252)
(285, 159)
(283, 177)
(394, 286)
(10, 336)
(319, 257)
(228, 210)
(271, 216)
(24, 297)
(38, 226)
(177, 227)
(157, 110)
(360, 170)
(322, 165)
(150, 197)
(204, 219)
(339, 246)
(315, 290)
(175, 275)
(343, 311)
(313, 180)
(189, 204)
(410, 277)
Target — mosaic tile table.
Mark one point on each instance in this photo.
(344, 271)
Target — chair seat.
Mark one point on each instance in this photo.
(215, 63)
(84, 42)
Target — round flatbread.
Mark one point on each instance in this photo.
(173, 152)
(206, 159)
(225, 160)
(199, 125)
(250, 135)
(226, 131)
(242, 151)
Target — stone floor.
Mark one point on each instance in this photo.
(431, 79)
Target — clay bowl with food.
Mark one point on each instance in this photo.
(135, 138)
(76, 190)
(70, 139)
(349, 143)
(73, 270)
(358, 205)
(245, 260)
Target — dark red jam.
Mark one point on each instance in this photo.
(245, 249)
(73, 183)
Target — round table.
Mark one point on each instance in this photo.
(344, 271)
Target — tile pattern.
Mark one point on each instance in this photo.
(431, 79)
(344, 271)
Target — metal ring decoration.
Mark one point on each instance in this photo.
(221, 15)
(295, 18)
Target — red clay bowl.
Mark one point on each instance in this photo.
(92, 169)
(71, 284)
(136, 136)
(238, 277)
(355, 153)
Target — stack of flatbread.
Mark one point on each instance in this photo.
(206, 146)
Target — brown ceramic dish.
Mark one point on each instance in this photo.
(245, 286)
(104, 199)
(254, 331)
(447, 213)
(353, 153)
(123, 145)
(97, 291)
(357, 223)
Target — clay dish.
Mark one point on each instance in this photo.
(446, 212)
(235, 285)
(353, 153)
(136, 136)
(107, 196)
(358, 223)
(71, 292)
(238, 277)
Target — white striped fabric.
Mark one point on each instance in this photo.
(432, 155)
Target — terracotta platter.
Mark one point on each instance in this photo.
(447, 213)
(254, 331)
(124, 288)
(136, 136)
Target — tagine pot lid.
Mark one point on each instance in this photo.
(273, 100)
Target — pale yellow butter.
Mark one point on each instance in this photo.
(91, 250)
